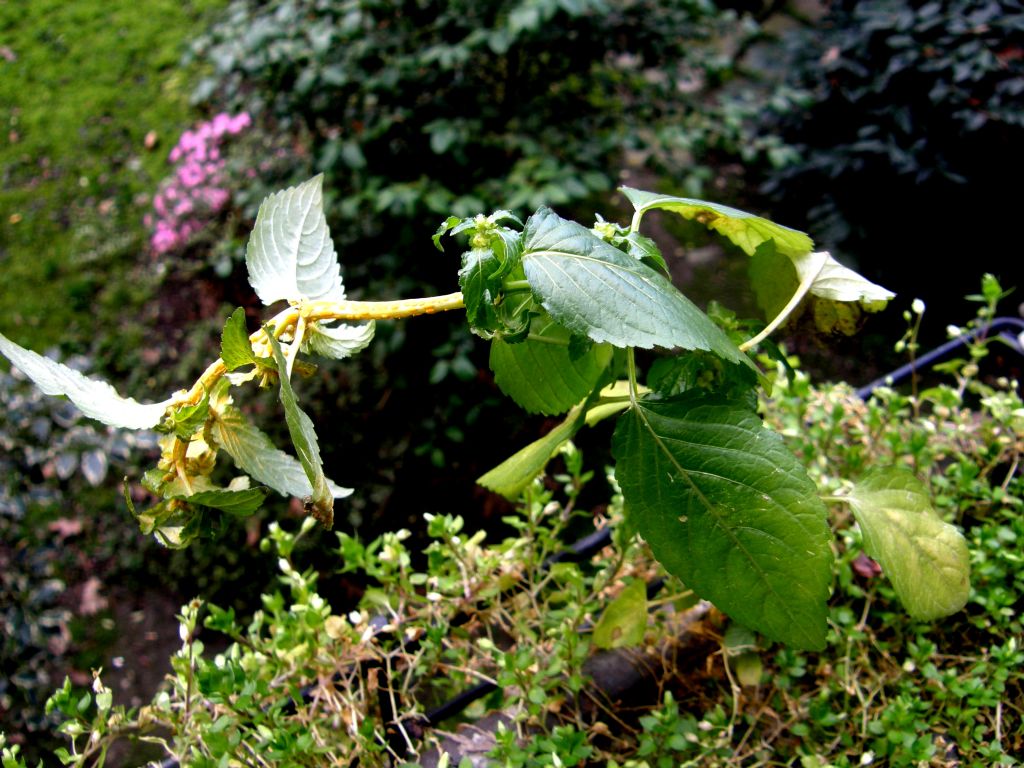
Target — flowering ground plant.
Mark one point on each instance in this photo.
(197, 191)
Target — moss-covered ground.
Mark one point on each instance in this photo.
(92, 97)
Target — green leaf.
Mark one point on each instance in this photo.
(512, 476)
(338, 341)
(743, 229)
(624, 621)
(541, 375)
(925, 558)
(300, 427)
(240, 503)
(838, 283)
(186, 419)
(480, 281)
(447, 224)
(773, 278)
(96, 399)
(646, 250)
(290, 254)
(594, 289)
(729, 510)
(257, 456)
(235, 348)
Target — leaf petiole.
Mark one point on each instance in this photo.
(801, 291)
(516, 286)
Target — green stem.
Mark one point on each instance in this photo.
(631, 371)
(516, 286)
(634, 224)
(801, 291)
(548, 340)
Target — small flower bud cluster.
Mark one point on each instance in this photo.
(196, 191)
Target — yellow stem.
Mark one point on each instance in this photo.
(381, 310)
(313, 311)
(179, 457)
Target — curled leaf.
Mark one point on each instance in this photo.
(96, 399)
(838, 283)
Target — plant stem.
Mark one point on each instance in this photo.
(380, 310)
(516, 286)
(780, 318)
(631, 370)
(313, 311)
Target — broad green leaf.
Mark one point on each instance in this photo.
(925, 558)
(540, 374)
(300, 427)
(96, 399)
(744, 229)
(624, 621)
(773, 278)
(290, 254)
(839, 283)
(728, 509)
(594, 289)
(235, 348)
(676, 374)
(339, 341)
(257, 456)
(512, 476)
(240, 503)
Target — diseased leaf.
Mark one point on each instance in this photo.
(96, 399)
(541, 375)
(512, 476)
(257, 456)
(338, 341)
(300, 427)
(925, 558)
(290, 254)
(235, 348)
(624, 621)
(729, 510)
(744, 229)
(839, 283)
(594, 289)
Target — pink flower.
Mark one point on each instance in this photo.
(221, 124)
(191, 175)
(239, 123)
(183, 208)
(216, 197)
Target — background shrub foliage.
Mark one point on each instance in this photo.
(418, 110)
(895, 111)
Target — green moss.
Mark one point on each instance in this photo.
(81, 86)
